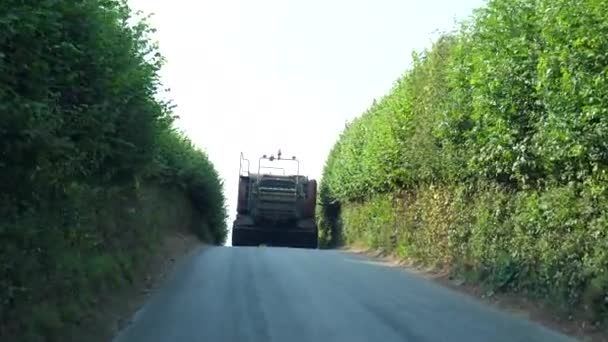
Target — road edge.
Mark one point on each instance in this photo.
(525, 308)
(115, 310)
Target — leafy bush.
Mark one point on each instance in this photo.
(489, 155)
(83, 138)
(179, 163)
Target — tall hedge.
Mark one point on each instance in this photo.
(83, 134)
(490, 155)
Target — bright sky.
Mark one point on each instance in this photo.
(256, 76)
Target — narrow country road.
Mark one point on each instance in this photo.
(280, 294)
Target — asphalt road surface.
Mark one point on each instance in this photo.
(279, 294)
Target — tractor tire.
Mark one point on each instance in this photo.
(243, 197)
(310, 203)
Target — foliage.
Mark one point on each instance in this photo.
(489, 153)
(82, 136)
(179, 163)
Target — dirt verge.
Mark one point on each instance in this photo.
(115, 309)
(541, 313)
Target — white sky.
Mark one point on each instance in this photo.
(256, 76)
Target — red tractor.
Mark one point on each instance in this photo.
(275, 209)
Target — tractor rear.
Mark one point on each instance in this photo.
(275, 209)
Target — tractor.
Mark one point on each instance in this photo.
(275, 208)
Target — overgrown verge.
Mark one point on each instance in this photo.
(489, 156)
(92, 172)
